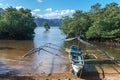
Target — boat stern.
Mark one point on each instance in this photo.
(76, 69)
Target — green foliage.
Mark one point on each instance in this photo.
(106, 22)
(98, 23)
(66, 26)
(46, 26)
(16, 24)
(75, 25)
(95, 8)
(94, 31)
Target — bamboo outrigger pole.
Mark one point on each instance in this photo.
(48, 45)
(89, 60)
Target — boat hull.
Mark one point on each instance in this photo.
(76, 60)
(76, 70)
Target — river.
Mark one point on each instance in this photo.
(11, 52)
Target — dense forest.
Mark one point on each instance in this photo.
(16, 24)
(96, 24)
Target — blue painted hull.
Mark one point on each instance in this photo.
(76, 60)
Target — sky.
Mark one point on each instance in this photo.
(54, 8)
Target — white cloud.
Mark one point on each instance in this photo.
(49, 9)
(1, 4)
(52, 14)
(40, 1)
(58, 13)
(36, 10)
(35, 14)
(18, 7)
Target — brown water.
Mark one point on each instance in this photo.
(11, 52)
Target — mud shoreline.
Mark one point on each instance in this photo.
(109, 75)
(43, 76)
(107, 42)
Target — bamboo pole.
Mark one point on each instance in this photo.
(88, 60)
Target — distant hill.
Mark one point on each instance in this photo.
(39, 21)
(1, 10)
(51, 22)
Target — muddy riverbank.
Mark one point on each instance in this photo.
(62, 76)
(107, 42)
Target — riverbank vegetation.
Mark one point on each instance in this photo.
(16, 24)
(100, 23)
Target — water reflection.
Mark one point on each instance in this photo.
(52, 36)
(44, 61)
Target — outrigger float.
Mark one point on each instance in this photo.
(48, 45)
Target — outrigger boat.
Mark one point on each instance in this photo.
(76, 60)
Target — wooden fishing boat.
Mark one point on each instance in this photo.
(76, 60)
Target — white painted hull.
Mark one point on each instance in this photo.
(76, 69)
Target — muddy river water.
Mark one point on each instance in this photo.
(11, 52)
